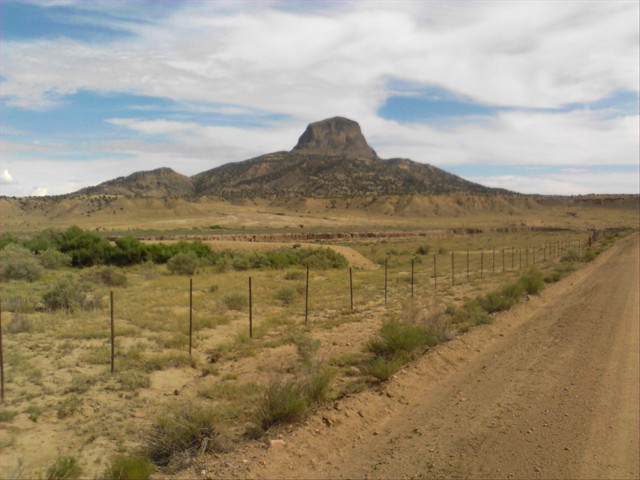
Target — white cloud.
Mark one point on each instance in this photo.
(40, 192)
(6, 177)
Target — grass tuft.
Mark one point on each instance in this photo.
(129, 468)
(186, 432)
(64, 468)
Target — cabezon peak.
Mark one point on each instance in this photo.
(334, 136)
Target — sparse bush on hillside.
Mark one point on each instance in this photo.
(18, 263)
(423, 250)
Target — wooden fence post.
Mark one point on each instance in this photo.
(250, 311)
(113, 349)
(412, 278)
(1, 360)
(467, 266)
(435, 274)
(452, 270)
(190, 314)
(306, 298)
(386, 261)
(351, 287)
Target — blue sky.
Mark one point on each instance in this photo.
(537, 97)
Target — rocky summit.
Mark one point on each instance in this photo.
(335, 136)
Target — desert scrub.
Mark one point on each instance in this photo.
(382, 368)
(187, 431)
(285, 295)
(398, 339)
(236, 301)
(53, 259)
(184, 263)
(69, 406)
(532, 281)
(64, 296)
(18, 263)
(289, 401)
(64, 468)
(129, 468)
(283, 402)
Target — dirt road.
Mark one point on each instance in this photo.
(549, 390)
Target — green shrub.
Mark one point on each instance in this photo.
(129, 468)
(64, 296)
(317, 385)
(285, 295)
(236, 301)
(282, 403)
(64, 468)
(186, 431)
(423, 250)
(512, 292)
(53, 259)
(494, 302)
(85, 248)
(552, 276)
(382, 368)
(18, 263)
(128, 251)
(396, 338)
(532, 282)
(184, 263)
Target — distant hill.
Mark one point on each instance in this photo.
(331, 159)
(159, 183)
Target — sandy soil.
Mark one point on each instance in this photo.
(549, 390)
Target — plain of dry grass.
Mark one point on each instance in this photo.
(58, 369)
